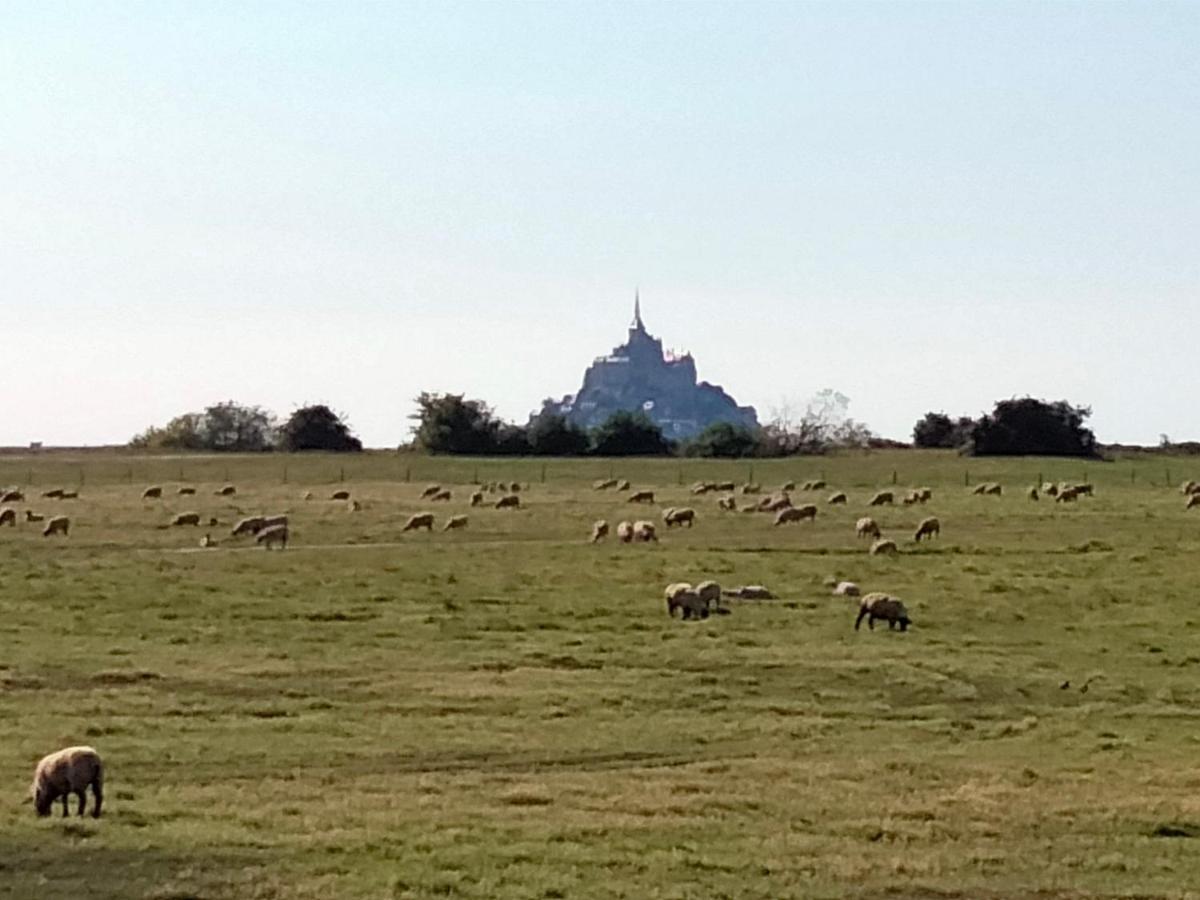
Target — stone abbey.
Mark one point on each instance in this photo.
(638, 375)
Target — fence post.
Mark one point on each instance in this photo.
(342, 473)
(285, 474)
(81, 476)
(893, 476)
(1168, 471)
(543, 473)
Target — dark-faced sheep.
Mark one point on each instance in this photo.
(599, 531)
(275, 534)
(509, 501)
(152, 493)
(682, 516)
(924, 494)
(883, 546)
(774, 503)
(187, 518)
(796, 514)
(641, 497)
(836, 498)
(928, 529)
(454, 523)
(67, 772)
(882, 498)
(878, 605)
(419, 520)
(8, 516)
(867, 527)
(248, 525)
(477, 498)
(57, 525)
(645, 532)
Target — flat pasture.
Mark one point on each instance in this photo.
(507, 711)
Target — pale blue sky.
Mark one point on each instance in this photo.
(924, 206)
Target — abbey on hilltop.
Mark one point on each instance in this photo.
(638, 375)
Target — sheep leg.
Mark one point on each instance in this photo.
(82, 795)
(64, 801)
(98, 795)
(861, 615)
(871, 621)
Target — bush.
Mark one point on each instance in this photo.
(629, 434)
(1025, 426)
(317, 428)
(223, 427)
(724, 440)
(448, 423)
(939, 430)
(551, 434)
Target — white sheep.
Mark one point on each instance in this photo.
(430, 491)
(774, 503)
(341, 494)
(684, 515)
(1193, 500)
(443, 495)
(882, 546)
(599, 531)
(836, 497)
(641, 497)
(152, 493)
(186, 518)
(57, 525)
(645, 532)
(929, 528)
(8, 516)
(878, 605)
(248, 525)
(881, 498)
(275, 534)
(796, 514)
(709, 593)
(455, 522)
(924, 494)
(477, 498)
(419, 520)
(682, 596)
(751, 592)
(69, 771)
(867, 527)
(11, 496)
(604, 484)
(509, 501)
(846, 589)
(625, 532)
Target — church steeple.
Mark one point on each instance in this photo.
(637, 312)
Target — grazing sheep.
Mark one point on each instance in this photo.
(273, 521)
(12, 496)
(57, 525)
(8, 516)
(599, 531)
(724, 486)
(340, 495)
(623, 485)
(645, 532)
(31, 516)
(1187, 486)
(836, 497)
(928, 528)
(1085, 488)
(442, 495)
(69, 495)
(152, 493)
(419, 520)
(867, 527)
(751, 592)
(883, 545)
(1032, 493)
(227, 491)
(641, 497)
(355, 506)
(774, 503)
(980, 489)
(787, 486)
(727, 503)
(924, 494)
(703, 487)
(604, 484)
(1193, 500)
(709, 593)
(1195, 488)
(878, 605)
(881, 498)
(477, 498)
(207, 540)
(509, 501)
(625, 532)
(682, 596)
(248, 525)
(186, 491)
(1066, 495)
(846, 589)
(683, 516)
(816, 485)
(796, 514)
(910, 498)
(993, 489)
(53, 494)
(69, 771)
(187, 518)
(430, 490)
(1050, 489)
(751, 488)
(455, 522)
(276, 534)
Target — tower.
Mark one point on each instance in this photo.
(637, 324)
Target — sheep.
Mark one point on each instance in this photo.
(724, 486)
(419, 520)
(924, 494)
(502, 487)
(477, 498)
(599, 530)
(774, 503)
(53, 494)
(881, 498)
(751, 488)
(430, 491)
(273, 521)
(882, 546)
(993, 489)
(604, 484)
(355, 506)
(1193, 500)
(508, 501)
(442, 495)
(248, 525)
(683, 516)
(878, 605)
(796, 514)
(980, 489)
(57, 525)
(31, 516)
(928, 528)
(186, 491)
(787, 486)
(727, 503)
(846, 589)
(455, 522)
(625, 532)
(1186, 487)
(709, 593)
(836, 498)
(867, 527)
(1050, 489)
(1032, 493)
(641, 497)
(152, 493)
(1084, 488)
(645, 532)
(227, 491)
(514, 488)
(682, 596)
(207, 540)
(1067, 495)
(751, 592)
(623, 485)
(817, 484)
(342, 494)
(275, 534)
(12, 496)
(69, 771)
(8, 516)
(69, 495)
(1194, 489)
(703, 487)
(187, 518)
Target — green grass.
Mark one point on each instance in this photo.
(508, 712)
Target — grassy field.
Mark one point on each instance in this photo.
(508, 712)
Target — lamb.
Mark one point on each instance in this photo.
(928, 528)
(836, 497)
(31, 516)
(599, 531)
(751, 592)
(924, 494)
(846, 589)
(683, 516)
(340, 495)
(910, 498)
(878, 605)
(8, 516)
(69, 771)
(186, 491)
(796, 514)
(625, 532)
(867, 527)
(442, 495)
(227, 491)
(645, 532)
(207, 540)
(419, 520)
(152, 493)
(681, 596)
(57, 525)
(515, 488)
(882, 546)
(455, 522)
(477, 498)
(187, 518)
(355, 506)
(728, 503)
(248, 525)
(881, 498)
(430, 491)
(509, 501)
(641, 497)
(275, 534)
(709, 593)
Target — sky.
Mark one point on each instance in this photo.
(924, 206)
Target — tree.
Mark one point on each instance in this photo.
(551, 434)
(627, 433)
(939, 430)
(1025, 426)
(448, 423)
(823, 426)
(235, 428)
(724, 440)
(317, 427)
